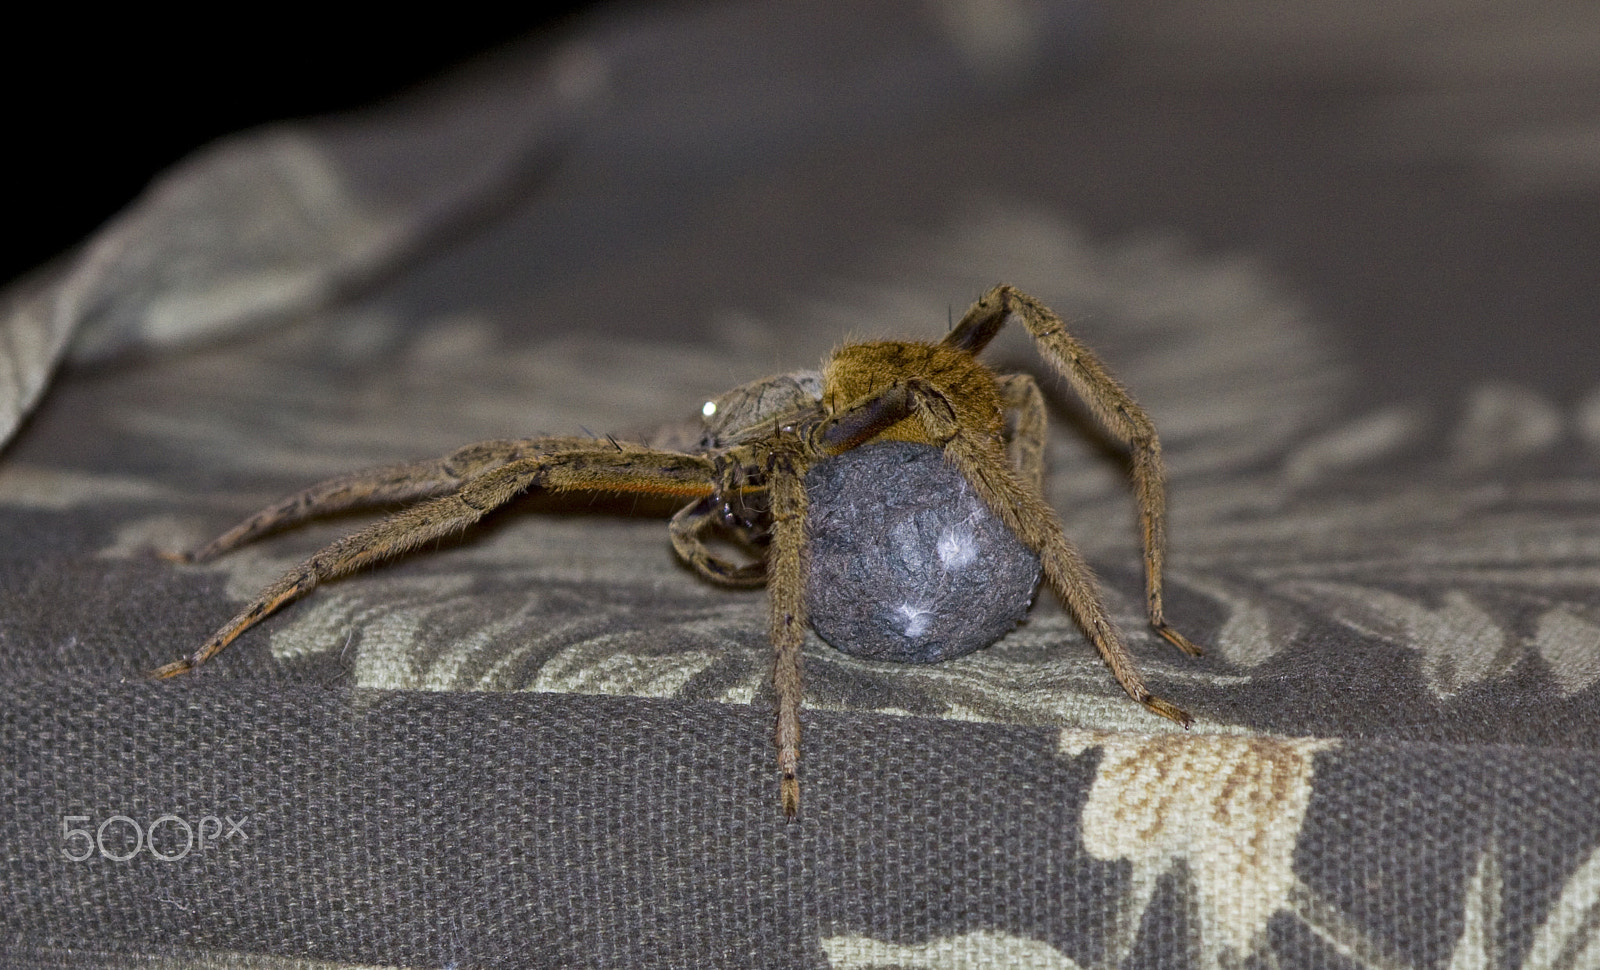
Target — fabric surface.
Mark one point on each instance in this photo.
(1346, 264)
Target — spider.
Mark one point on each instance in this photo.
(746, 473)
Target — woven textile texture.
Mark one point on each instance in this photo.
(1347, 263)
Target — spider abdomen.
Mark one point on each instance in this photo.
(858, 370)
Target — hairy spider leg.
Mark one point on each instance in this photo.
(786, 592)
(1111, 404)
(1026, 424)
(986, 465)
(569, 464)
(377, 486)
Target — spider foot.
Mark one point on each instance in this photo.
(790, 789)
(185, 557)
(1167, 710)
(1177, 639)
(168, 671)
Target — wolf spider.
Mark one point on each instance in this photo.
(747, 472)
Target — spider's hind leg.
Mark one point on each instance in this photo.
(1112, 405)
(1025, 426)
(984, 462)
(1025, 512)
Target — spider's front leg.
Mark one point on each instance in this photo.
(561, 464)
(786, 591)
(377, 486)
(784, 460)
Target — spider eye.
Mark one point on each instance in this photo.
(709, 408)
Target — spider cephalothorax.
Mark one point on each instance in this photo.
(745, 471)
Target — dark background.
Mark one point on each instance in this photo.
(1251, 113)
(97, 110)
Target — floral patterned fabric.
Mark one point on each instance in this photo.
(548, 743)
